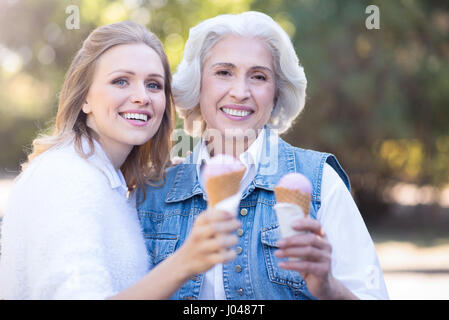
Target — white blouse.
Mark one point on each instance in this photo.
(69, 231)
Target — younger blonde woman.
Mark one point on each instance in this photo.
(71, 229)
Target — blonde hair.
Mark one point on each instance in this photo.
(145, 163)
(290, 79)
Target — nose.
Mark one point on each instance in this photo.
(140, 96)
(239, 89)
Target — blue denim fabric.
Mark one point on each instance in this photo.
(168, 213)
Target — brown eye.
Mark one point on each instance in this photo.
(223, 73)
(260, 77)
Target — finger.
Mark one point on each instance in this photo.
(201, 232)
(227, 240)
(218, 215)
(306, 253)
(224, 256)
(307, 224)
(220, 257)
(202, 219)
(217, 244)
(227, 226)
(211, 215)
(305, 267)
(304, 239)
(228, 255)
(208, 261)
(203, 228)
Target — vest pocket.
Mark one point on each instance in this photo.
(160, 245)
(269, 237)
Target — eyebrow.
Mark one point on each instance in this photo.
(132, 73)
(231, 65)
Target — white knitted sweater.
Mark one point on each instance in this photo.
(69, 231)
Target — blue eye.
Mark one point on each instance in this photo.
(154, 86)
(120, 82)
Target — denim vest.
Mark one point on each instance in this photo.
(168, 213)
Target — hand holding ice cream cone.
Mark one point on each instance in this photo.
(209, 242)
(223, 175)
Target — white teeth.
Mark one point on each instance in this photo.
(135, 116)
(238, 113)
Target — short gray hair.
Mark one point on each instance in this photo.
(290, 79)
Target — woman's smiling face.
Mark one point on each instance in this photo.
(237, 85)
(126, 100)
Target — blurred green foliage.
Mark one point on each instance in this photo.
(378, 99)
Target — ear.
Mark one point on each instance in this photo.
(86, 108)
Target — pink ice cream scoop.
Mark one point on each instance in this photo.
(296, 181)
(222, 164)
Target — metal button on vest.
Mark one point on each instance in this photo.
(240, 232)
(243, 212)
(238, 250)
(240, 291)
(238, 268)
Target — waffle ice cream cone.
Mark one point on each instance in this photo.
(223, 186)
(222, 174)
(286, 195)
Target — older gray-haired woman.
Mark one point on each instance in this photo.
(238, 85)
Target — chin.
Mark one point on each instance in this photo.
(239, 128)
(137, 141)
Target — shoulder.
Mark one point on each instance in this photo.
(61, 190)
(156, 191)
(169, 178)
(62, 170)
(302, 155)
(331, 181)
(170, 173)
(334, 192)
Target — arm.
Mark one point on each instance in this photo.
(67, 253)
(353, 259)
(160, 283)
(73, 263)
(207, 245)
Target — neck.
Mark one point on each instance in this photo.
(116, 154)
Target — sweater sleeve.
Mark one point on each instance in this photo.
(67, 235)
